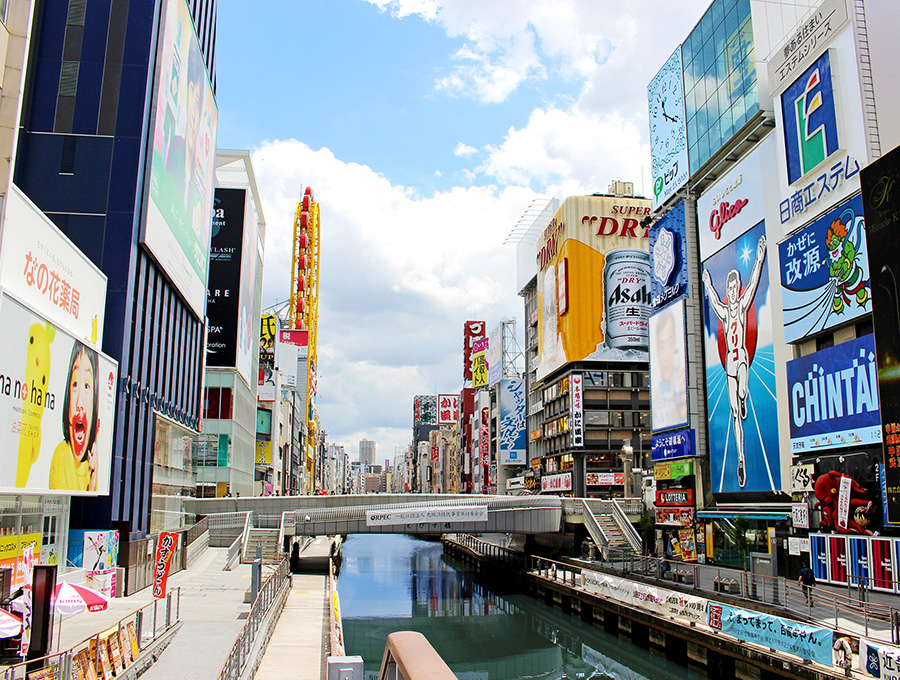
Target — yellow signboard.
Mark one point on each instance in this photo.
(479, 370)
(263, 453)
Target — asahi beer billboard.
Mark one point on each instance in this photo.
(740, 367)
(512, 440)
(58, 398)
(182, 160)
(668, 134)
(833, 398)
(881, 204)
(594, 283)
(825, 272)
(668, 258)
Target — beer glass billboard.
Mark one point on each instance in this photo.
(594, 282)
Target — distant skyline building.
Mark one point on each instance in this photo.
(366, 452)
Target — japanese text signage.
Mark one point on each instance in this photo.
(552, 483)
(472, 331)
(448, 409)
(833, 397)
(673, 445)
(46, 271)
(673, 470)
(668, 258)
(484, 437)
(425, 409)
(881, 203)
(479, 363)
(576, 409)
(605, 478)
(675, 517)
(165, 548)
(825, 272)
(512, 437)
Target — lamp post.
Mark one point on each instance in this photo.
(627, 460)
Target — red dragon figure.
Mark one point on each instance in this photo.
(827, 489)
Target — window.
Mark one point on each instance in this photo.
(599, 418)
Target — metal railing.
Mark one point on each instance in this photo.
(625, 526)
(236, 549)
(409, 656)
(272, 593)
(286, 517)
(335, 626)
(828, 609)
(131, 634)
(593, 526)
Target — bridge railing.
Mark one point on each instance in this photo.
(626, 526)
(409, 656)
(236, 549)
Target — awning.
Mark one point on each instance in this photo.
(729, 514)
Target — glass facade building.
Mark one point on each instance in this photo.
(720, 83)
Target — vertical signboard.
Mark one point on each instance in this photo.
(299, 341)
(740, 359)
(494, 354)
(881, 204)
(448, 409)
(479, 363)
(668, 258)
(223, 287)
(668, 135)
(425, 409)
(576, 409)
(825, 272)
(668, 369)
(182, 162)
(513, 440)
(484, 437)
(597, 240)
(472, 331)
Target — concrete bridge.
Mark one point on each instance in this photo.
(607, 521)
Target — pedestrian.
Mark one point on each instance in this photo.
(807, 580)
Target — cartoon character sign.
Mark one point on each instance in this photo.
(843, 504)
(37, 380)
(825, 272)
(740, 357)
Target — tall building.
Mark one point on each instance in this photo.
(116, 146)
(366, 452)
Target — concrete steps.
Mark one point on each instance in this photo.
(271, 551)
(616, 538)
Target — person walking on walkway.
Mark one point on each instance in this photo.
(807, 580)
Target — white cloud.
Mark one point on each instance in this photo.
(399, 274)
(464, 150)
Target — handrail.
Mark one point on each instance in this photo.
(269, 593)
(284, 516)
(409, 655)
(236, 549)
(593, 526)
(626, 526)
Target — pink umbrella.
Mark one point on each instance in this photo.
(69, 598)
(10, 624)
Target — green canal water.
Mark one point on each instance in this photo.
(394, 582)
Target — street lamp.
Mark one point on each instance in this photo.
(627, 460)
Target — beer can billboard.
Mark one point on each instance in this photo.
(594, 282)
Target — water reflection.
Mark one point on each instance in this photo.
(394, 582)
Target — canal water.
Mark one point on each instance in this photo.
(394, 582)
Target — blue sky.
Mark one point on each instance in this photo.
(426, 128)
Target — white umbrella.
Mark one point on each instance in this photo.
(69, 598)
(10, 624)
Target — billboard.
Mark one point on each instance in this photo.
(668, 369)
(740, 373)
(733, 204)
(263, 452)
(825, 272)
(57, 401)
(881, 204)
(472, 331)
(554, 483)
(44, 269)
(576, 409)
(513, 438)
(668, 135)
(668, 258)
(425, 409)
(298, 341)
(479, 363)
(269, 325)
(182, 163)
(593, 283)
(448, 409)
(494, 355)
(223, 287)
(834, 397)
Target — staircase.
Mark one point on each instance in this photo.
(271, 551)
(617, 540)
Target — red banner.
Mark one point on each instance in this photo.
(675, 497)
(165, 548)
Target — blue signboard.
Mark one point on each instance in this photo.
(825, 272)
(668, 258)
(834, 397)
(513, 439)
(673, 445)
(807, 642)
